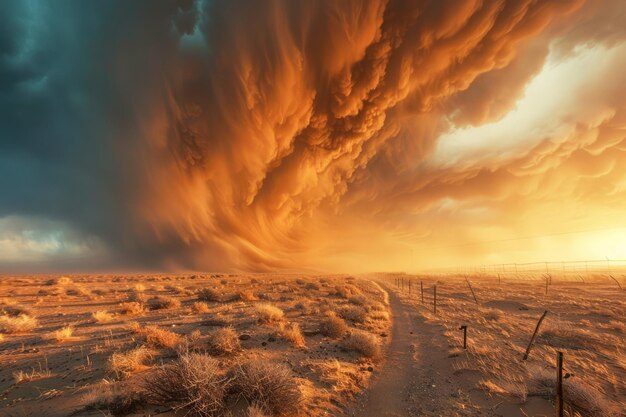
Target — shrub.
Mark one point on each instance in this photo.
(269, 313)
(161, 338)
(12, 309)
(124, 364)
(132, 308)
(102, 316)
(333, 326)
(364, 343)
(136, 296)
(291, 333)
(161, 302)
(270, 386)
(113, 400)
(223, 341)
(201, 307)
(20, 324)
(209, 294)
(353, 313)
(359, 299)
(194, 381)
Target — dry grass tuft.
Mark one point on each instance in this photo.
(269, 313)
(201, 307)
(209, 294)
(161, 338)
(136, 296)
(364, 343)
(192, 382)
(20, 324)
(353, 313)
(292, 334)
(333, 326)
(34, 375)
(64, 334)
(224, 341)
(132, 308)
(102, 316)
(270, 386)
(124, 364)
(112, 400)
(10, 308)
(161, 302)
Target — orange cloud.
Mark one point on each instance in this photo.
(302, 133)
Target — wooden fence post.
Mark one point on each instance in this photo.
(616, 281)
(471, 289)
(532, 339)
(422, 289)
(464, 328)
(559, 384)
(435, 299)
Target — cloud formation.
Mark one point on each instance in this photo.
(267, 135)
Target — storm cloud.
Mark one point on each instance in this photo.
(243, 135)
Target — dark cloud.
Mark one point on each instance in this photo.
(201, 134)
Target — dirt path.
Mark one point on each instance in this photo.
(416, 379)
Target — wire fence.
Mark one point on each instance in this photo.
(566, 269)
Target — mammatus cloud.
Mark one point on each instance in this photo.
(264, 135)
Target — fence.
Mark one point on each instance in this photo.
(568, 269)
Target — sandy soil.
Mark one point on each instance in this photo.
(430, 374)
(45, 371)
(423, 371)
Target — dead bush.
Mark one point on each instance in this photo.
(161, 338)
(291, 333)
(112, 398)
(269, 313)
(224, 341)
(124, 364)
(209, 294)
(193, 382)
(132, 308)
(270, 386)
(333, 326)
(201, 307)
(161, 302)
(353, 313)
(364, 343)
(20, 324)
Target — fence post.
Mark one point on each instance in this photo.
(409, 287)
(422, 289)
(464, 328)
(471, 289)
(435, 299)
(616, 281)
(559, 384)
(532, 339)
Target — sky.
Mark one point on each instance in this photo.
(346, 136)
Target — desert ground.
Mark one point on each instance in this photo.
(304, 345)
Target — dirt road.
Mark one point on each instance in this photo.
(416, 379)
